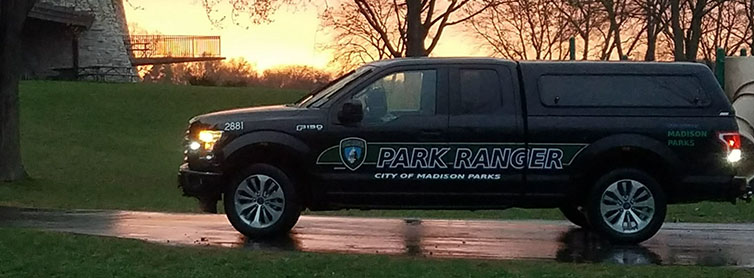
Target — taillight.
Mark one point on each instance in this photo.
(732, 141)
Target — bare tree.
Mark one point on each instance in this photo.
(412, 28)
(727, 27)
(295, 77)
(650, 14)
(748, 10)
(584, 17)
(615, 10)
(366, 30)
(523, 30)
(624, 28)
(12, 17)
(354, 41)
(419, 21)
(403, 28)
(524, 26)
(256, 11)
(685, 23)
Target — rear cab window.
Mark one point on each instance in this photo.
(480, 92)
(484, 104)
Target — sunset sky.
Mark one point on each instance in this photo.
(292, 38)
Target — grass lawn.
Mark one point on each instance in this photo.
(113, 146)
(118, 146)
(26, 253)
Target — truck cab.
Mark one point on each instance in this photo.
(610, 144)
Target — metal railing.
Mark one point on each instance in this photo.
(155, 46)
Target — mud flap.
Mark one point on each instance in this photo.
(740, 188)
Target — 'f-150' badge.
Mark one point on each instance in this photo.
(353, 152)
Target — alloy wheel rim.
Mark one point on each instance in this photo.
(627, 206)
(259, 201)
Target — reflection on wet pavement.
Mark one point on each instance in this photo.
(677, 243)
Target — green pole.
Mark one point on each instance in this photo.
(743, 51)
(572, 48)
(720, 67)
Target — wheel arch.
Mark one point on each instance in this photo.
(275, 148)
(625, 151)
(264, 137)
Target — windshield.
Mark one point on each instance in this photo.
(318, 97)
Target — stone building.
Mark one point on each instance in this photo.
(89, 40)
(77, 39)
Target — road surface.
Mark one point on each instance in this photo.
(676, 243)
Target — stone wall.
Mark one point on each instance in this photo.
(102, 51)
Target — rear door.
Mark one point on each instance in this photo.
(486, 131)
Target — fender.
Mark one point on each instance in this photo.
(273, 137)
(601, 146)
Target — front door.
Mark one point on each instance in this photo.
(380, 161)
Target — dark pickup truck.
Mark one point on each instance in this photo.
(610, 144)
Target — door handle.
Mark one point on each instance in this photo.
(431, 132)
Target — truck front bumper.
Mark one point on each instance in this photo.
(197, 183)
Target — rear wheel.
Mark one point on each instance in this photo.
(575, 214)
(626, 205)
(261, 201)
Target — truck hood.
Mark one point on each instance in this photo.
(266, 113)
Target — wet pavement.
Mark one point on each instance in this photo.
(676, 243)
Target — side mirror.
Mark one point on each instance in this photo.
(351, 112)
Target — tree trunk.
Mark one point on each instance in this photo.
(651, 34)
(12, 17)
(651, 45)
(415, 34)
(585, 55)
(692, 45)
(751, 21)
(618, 45)
(678, 36)
(609, 6)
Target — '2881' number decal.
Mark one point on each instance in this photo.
(232, 126)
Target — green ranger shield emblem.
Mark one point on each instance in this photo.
(353, 152)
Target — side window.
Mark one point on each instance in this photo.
(479, 91)
(407, 93)
(622, 90)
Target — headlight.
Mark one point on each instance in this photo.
(194, 146)
(208, 138)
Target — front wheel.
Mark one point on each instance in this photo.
(261, 201)
(626, 205)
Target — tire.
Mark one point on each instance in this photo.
(621, 198)
(576, 215)
(261, 201)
